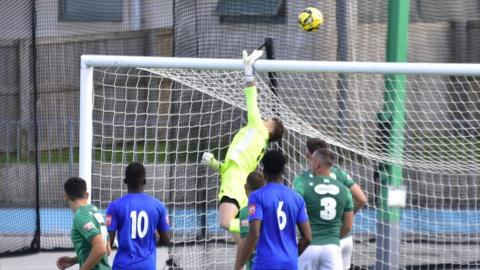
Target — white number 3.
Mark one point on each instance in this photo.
(281, 216)
(330, 210)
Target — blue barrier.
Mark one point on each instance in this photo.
(424, 221)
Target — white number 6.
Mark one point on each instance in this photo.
(281, 216)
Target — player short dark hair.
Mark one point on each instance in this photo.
(255, 181)
(135, 175)
(75, 188)
(273, 163)
(278, 129)
(324, 156)
(315, 144)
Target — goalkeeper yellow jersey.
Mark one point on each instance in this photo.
(248, 145)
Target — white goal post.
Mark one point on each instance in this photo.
(129, 106)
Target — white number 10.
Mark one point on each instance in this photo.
(281, 216)
(137, 223)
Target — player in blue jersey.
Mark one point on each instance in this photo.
(274, 212)
(136, 217)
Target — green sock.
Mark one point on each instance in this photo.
(234, 226)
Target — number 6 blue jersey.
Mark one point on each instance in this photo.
(280, 209)
(136, 217)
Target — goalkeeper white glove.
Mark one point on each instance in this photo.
(209, 160)
(248, 62)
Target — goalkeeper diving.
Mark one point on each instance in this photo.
(245, 151)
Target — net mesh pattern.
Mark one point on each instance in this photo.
(166, 118)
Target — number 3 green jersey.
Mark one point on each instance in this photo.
(327, 200)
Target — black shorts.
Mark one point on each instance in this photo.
(229, 200)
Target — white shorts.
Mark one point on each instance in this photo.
(322, 257)
(346, 245)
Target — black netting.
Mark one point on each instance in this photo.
(19, 173)
(40, 47)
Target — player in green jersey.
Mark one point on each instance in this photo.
(346, 243)
(255, 181)
(244, 153)
(89, 232)
(340, 174)
(330, 210)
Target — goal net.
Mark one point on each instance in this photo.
(166, 112)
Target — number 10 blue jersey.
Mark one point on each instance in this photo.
(136, 217)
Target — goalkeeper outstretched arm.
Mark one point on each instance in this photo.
(250, 90)
(251, 140)
(273, 125)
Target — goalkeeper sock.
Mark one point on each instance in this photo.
(234, 226)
